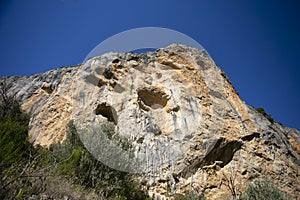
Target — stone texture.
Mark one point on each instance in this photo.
(179, 106)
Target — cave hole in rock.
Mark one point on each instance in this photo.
(115, 60)
(108, 112)
(251, 136)
(223, 150)
(47, 88)
(108, 73)
(220, 153)
(101, 83)
(152, 97)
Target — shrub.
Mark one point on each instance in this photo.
(11, 108)
(13, 142)
(80, 167)
(15, 151)
(27, 171)
(263, 112)
(262, 189)
(189, 196)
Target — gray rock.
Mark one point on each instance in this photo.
(190, 129)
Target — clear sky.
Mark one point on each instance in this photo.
(256, 42)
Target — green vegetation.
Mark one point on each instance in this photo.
(189, 196)
(65, 169)
(68, 169)
(265, 114)
(13, 131)
(262, 189)
(81, 168)
(15, 151)
(13, 142)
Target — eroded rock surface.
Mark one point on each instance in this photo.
(179, 110)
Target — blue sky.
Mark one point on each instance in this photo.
(256, 42)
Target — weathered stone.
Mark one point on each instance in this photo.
(179, 106)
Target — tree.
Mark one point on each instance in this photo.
(9, 106)
(15, 148)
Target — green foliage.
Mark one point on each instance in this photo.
(26, 170)
(189, 196)
(75, 162)
(10, 108)
(13, 142)
(13, 130)
(38, 170)
(262, 189)
(13, 134)
(15, 148)
(109, 130)
(265, 114)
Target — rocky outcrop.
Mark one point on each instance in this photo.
(47, 97)
(179, 110)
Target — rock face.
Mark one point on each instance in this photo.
(179, 110)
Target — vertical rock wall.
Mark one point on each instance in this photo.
(179, 110)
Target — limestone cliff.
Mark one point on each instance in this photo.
(179, 110)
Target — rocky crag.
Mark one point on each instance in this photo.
(179, 110)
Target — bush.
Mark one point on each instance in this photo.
(13, 131)
(15, 148)
(27, 171)
(80, 167)
(11, 108)
(262, 189)
(189, 196)
(265, 114)
(13, 142)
